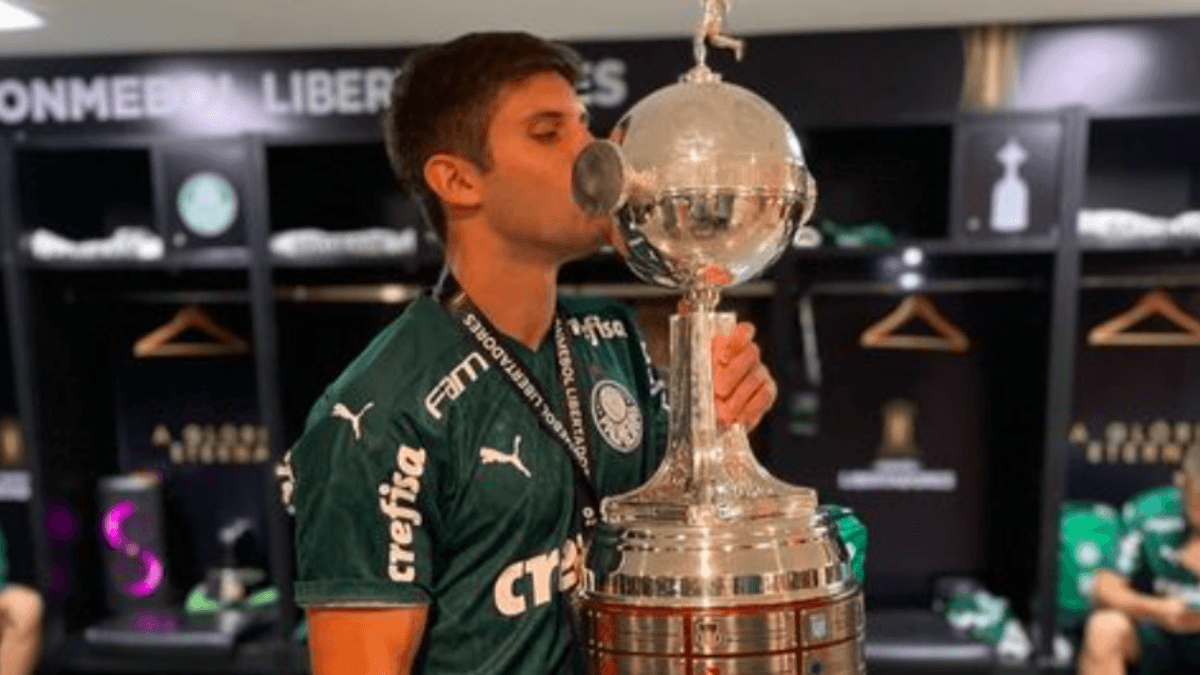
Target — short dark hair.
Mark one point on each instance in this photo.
(443, 98)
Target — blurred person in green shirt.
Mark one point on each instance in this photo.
(1148, 607)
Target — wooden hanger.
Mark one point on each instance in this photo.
(158, 342)
(1115, 333)
(950, 338)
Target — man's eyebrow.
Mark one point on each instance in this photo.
(547, 116)
(558, 116)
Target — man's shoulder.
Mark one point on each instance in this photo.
(405, 357)
(1151, 503)
(1165, 529)
(379, 403)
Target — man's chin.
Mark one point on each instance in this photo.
(596, 236)
(597, 247)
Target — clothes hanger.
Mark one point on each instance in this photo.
(1115, 333)
(949, 338)
(158, 342)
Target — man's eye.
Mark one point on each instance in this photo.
(545, 135)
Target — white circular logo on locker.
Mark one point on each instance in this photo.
(617, 415)
(208, 204)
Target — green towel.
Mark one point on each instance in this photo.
(854, 534)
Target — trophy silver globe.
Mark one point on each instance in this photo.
(713, 567)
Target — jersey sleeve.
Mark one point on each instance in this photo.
(364, 496)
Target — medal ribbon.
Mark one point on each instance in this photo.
(571, 437)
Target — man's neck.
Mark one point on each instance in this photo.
(516, 294)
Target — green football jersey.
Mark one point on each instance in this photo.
(1149, 556)
(979, 614)
(423, 477)
(1089, 536)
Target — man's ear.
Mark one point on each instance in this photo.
(455, 180)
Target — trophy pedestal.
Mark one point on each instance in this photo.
(715, 567)
(767, 639)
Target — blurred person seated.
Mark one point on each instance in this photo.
(1148, 605)
(20, 622)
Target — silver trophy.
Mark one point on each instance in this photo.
(713, 567)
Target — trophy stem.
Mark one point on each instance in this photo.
(694, 437)
(710, 473)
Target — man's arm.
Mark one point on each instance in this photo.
(20, 629)
(1112, 591)
(372, 641)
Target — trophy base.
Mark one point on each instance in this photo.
(818, 637)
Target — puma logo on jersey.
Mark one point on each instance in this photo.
(454, 383)
(494, 456)
(340, 411)
(558, 569)
(397, 503)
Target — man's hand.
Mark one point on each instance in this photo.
(743, 386)
(1178, 617)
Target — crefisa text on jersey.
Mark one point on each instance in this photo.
(557, 569)
(397, 502)
(595, 329)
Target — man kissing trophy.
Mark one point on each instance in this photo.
(713, 567)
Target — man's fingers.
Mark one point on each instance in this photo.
(757, 406)
(741, 383)
(746, 390)
(725, 347)
(730, 376)
(744, 332)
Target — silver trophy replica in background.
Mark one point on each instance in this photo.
(713, 567)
